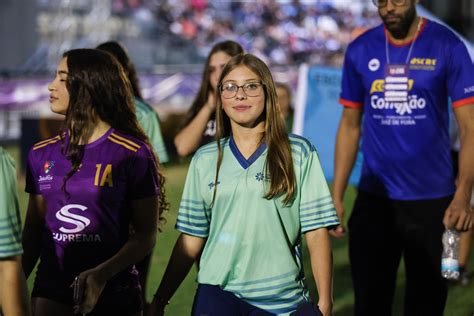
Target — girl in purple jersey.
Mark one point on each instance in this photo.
(199, 124)
(87, 186)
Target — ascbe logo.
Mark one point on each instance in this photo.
(79, 221)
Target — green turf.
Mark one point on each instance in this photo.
(460, 300)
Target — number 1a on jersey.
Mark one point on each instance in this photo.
(105, 178)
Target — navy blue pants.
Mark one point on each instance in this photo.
(211, 300)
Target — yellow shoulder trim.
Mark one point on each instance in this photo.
(46, 142)
(129, 142)
(122, 143)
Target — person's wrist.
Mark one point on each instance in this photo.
(209, 108)
(160, 301)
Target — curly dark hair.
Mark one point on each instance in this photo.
(98, 87)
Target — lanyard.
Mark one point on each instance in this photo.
(411, 46)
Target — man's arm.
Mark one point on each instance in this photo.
(347, 145)
(459, 213)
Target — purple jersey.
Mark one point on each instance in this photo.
(91, 225)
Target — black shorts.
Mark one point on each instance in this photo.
(121, 296)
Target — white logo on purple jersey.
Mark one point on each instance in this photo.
(79, 221)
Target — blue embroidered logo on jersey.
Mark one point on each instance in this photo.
(212, 184)
(261, 177)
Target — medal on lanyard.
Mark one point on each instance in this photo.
(396, 83)
(397, 75)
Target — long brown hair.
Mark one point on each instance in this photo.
(120, 52)
(98, 87)
(231, 48)
(279, 162)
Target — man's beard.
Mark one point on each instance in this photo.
(401, 29)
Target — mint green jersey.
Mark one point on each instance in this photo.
(150, 123)
(253, 246)
(10, 226)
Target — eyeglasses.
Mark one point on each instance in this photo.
(251, 89)
(383, 3)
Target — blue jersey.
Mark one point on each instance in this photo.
(406, 144)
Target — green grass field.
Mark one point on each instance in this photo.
(460, 300)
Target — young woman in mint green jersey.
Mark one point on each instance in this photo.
(248, 199)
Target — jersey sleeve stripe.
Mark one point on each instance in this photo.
(319, 200)
(319, 224)
(319, 213)
(5, 242)
(46, 140)
(191, 201)
(462, 102)
(192, 209)
(129, 142)
(302, 147)
(192, 232)
(196, 217)
(319, 218)
(182, 222)
(123, 144)
(317, 206)
(52, 141)
(10, 252)
(351, 104)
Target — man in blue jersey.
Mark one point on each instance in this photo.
(398, 76)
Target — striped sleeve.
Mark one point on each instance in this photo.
(150, 123)
(460, 80)
(10, 225)
(193, 216)
(316, 206)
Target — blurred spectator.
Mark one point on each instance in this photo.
(199, 126)
(284, 101)
(280, 33)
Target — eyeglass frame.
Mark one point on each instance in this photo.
(260, 82)
(386, 2)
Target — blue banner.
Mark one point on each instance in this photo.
(318, 112)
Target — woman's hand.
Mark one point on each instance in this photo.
(325, 308)
(89, 285)
(156, 308)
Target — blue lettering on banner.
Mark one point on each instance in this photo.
(322, 112)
